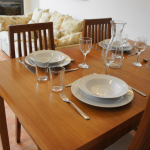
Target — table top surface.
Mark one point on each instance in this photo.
(55, 124)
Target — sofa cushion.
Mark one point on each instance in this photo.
(57, 20)
(38, 13)
(32, 33)
(13, 20)
(45, 17)
(71, 25)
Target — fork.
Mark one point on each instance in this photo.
(66, 99)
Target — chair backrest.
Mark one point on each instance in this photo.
(97, 29)
(141, 140)
(44, 32)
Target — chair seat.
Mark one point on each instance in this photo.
(122, 144)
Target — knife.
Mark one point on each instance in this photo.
(132, 54)
(96, 48)
(138, 91)
(30, 69)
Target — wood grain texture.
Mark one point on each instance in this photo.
(28, 28)
(54, 124)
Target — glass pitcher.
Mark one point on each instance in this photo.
(116, 42)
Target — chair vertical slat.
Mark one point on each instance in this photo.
(11, 43)
(109, 31)
(106, 31)
(89, 31)
(29, 41)
(51, 37)
(102, 32)
(92, 34)
(24, 44)
(19, 45)
(95, 34)
(84, 34)
(40, 40)
(35, 40)
(45, 39)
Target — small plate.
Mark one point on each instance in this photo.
(103, 86)
(101, 102)
(127, 47)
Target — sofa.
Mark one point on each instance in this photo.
(67, 31)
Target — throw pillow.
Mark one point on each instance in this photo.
(38, 13)
(45, 17)
(72, 25)
(57, 20)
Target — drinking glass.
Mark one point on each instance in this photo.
(85, 45)
(57, 78)
(140, 46)
(42, 68)
(108, 56)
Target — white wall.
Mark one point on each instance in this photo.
(135, 12)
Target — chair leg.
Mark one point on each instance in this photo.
(38, 148)
(18, 130)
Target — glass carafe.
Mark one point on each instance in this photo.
(116, 42)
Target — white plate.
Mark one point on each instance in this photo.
(103, 86)
(101, 102)
(127, 48)
(65, 62)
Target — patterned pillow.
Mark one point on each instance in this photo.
(45, 17)
(68, 40)
(38, 13)
(57, 20)
(13, 20)
(72, 26)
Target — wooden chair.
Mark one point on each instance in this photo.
(97, 29)
(37, 30)
(141, 140)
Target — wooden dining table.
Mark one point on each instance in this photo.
(56, 125)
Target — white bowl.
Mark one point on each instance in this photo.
(53, 56)
(103, 86)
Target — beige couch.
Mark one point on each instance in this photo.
(66, 30)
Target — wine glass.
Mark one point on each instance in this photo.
(85, 45)
(140, 46)
(108, 56)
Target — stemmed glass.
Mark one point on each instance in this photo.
(140, 46)
(85, 45)
(108, 56)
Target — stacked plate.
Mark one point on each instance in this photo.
(56, 58)
(102, 91)
(126, 47)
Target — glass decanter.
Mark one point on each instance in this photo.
(116, 42)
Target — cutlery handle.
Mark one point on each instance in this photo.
(132, 54)
(30, 69)
(71, 70)
(80, 112)
(138, 91)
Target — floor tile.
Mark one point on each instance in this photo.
(10, 116)
(34, 147)
(26, 141)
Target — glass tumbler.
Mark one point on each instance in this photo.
(42, 68)
(57, 78)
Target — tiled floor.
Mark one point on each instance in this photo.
(26, 142)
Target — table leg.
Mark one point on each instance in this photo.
(3, 126)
